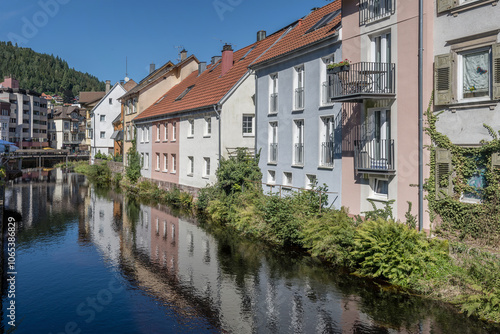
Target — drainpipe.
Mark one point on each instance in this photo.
(420, 118)
(217, 111)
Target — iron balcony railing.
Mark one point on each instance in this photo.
(371, 10)
(299, 154)
(363, 79)
(273, 152)
(299, 98)
(327, 154)
(375, 155)
(274, 102)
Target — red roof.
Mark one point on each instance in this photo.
(209, 87)
(300, 35)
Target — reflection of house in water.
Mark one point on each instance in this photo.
(48, 191)
(164, 239)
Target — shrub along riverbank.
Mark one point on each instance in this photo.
(377, 247)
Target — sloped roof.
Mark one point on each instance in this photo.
(64, 112)
(90, 97)
(129, 85)
(304, 32)
(209, 87)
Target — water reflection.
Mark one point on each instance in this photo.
(199, 280)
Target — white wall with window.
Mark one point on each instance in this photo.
(190, 170)
(273, 93)
(207, 130)
(326, 80)
(206, 167)
(298, 142)
(327, 141)
(248, 125)
(273, 142)
(298, 85)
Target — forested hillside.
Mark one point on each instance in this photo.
(44, 73)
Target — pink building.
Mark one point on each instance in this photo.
(165, 148)
(379, 92)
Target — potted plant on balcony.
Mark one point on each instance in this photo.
(333, 68)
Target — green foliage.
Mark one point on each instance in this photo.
(385, 213)
(392, 251)
(281, 217)
(117, 178)
(238, 172)
(331, 237)
(411, 220)
(44, 73)
(98, 173)
(479, 222)
(133, 170)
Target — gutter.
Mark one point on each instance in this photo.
(420, 118)
(217, 109)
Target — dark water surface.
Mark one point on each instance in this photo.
(91, 261)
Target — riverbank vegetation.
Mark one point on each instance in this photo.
(377, 247)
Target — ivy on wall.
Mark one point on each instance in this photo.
(479, 221)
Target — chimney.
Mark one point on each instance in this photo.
(108, 86)
(215, 59)
(152, 68)
(227, 59)
(183, 54)
(261, 34)
(202, 66)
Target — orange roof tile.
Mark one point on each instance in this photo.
(209, 87)
(299, 36)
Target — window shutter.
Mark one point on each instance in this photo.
(444, 5)
(443, 79)
(496, 72)
(443, 170)
(495, 160)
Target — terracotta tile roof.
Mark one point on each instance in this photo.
(209, 87)
(89, 97)
(129, 85)
(300, 35)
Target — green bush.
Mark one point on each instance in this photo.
(133, 169)
(239, 172)
(284, 224)
(394, 252)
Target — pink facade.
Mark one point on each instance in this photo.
(165, 151)
(164, 239)
(10, 82)
(380, 124)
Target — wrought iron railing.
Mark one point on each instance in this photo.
(327, 154)
(364, 78)
(299, 98)
(273, 152)
(375, 155)
(274, 102)
(299, 154)
(371, 10)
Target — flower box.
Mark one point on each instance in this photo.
(338, 69)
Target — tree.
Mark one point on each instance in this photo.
(133, 170)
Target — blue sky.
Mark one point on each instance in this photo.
(96, 36)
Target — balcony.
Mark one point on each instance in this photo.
(364, 80)
(327, 154)
(299, 154)
(273, 152)
(373, 10)
(274, 103)
(374, 156)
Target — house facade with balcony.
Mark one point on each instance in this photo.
(298, 127)
(64, 128)
(467, 83)
(379, 91)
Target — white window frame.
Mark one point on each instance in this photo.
(174, 163)
(190, 166)
(326, 80)
(174, 131)
(287, 179)
(158, 134)
(252, 125)
(273, 92)
(298, 139)
(460, 75)
(208, 126)
(327, 124)
(374, 183)
(146, 160)
(299, 83)
(102, 118)
(102, 135)
(310, 180)
(165, 129)
(206, 167)
(190, 128)
(273, 138)
(271, 176)
(165, 162)
(147, 133)
(158, 162)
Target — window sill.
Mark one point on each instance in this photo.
(165, 141)
(205, 177)
(272, 163)
(460, 8)
(297, 111)
(174, 172)
(471, 104)
(165, 171)
(327, 105)
(207, 136)
(274, 113)
(190, 175)
(297, 166)
(326, 167)
(250, 135)
(190, 137)
(377, 198)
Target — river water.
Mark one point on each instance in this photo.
(91, 261)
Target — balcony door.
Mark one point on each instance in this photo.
(377, 139)
(381, 56)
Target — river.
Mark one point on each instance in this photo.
(91, 261)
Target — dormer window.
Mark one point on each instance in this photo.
(184, 93)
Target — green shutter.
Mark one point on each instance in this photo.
(443, 173)
(443, 79)
(444, 5)
(496, 71)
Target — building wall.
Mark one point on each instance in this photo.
(311, 115)
(463, 124)
(106, 145)
(199, 146)
(165, 146)
(144, 147)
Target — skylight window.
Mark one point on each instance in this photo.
(324, 20)
(184, 93)
(160, 99)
